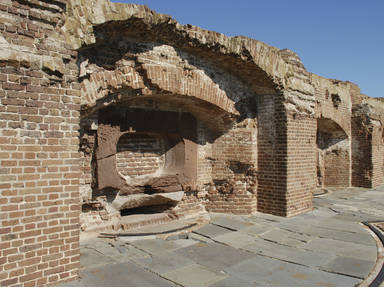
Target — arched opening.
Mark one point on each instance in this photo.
(333, 155)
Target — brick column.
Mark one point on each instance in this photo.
(272, 165)
(301, 162)
(361, 153)
(367, 152)
(286, 159)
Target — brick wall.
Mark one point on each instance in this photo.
(333, 154)
(39, 96)
(361, 153)
(334, 105)
(286, 159)
(301, 159)
(233, 165)
(140, 154)
(272, 165)
(336, 168)
(377, 156)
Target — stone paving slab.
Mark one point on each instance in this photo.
(195, 276)
(340, 225)
(256, 229)
(359, 217)
(211, 230)
(230, 222)
(181, 243)
(314, 231)
(291, 254)
(155, 246)
(122, 275)
(235, 239)
(92, 258)
(232, 281)
(213, 255)
(350, 266)
(285, 237)
(254, 268)
(164, 262)
(293, 275)
(342, 248)
(200, 238)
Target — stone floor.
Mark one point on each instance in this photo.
(326, 247)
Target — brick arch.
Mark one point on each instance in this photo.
(333, 154)
(333, 127)
(162, 80)
(338, 119)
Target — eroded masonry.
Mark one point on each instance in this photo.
(114, 116)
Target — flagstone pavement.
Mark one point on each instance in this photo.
(325, 247)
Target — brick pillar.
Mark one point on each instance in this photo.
(301, 162)
(377, 156)
(272, 165)
(286, 159)
(367, 152)
(362, 168)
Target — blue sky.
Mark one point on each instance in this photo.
(338, 39)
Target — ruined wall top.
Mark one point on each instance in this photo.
(89, 22)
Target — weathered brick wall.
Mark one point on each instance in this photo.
(286, 159)
(377, 155)
(367, 145)
(272, 165)
(333, 155)
(301, 168)
(87, 162)
(204, 154)
(39, 94)
(361, 152)
(233, 160)
(336, 168)
(334, 103)
(192, 84)
(140, 154)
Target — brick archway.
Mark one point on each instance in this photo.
(333, 154)
(164, 80)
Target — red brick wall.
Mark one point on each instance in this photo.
(377, 156)
(334, 155)
(272, 150)
(140, 154)
(233, 161)
(39, 200)
(361, 153)
(336, 168)
(286, 159)
(301, 162)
